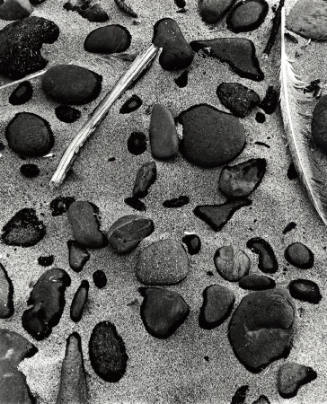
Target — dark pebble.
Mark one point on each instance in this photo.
(261, 400)
(24, 229)
(99, 279)
(136, 143)
(47, 302)
(180, 3)
(291, 172)
(29, 135)
(46, 261)
(193, 243)
(108, 39)
(232, 264)
(270, 101)
(240, 395)
(176, 202)
(182, 80)
(93, 13)
(60, 205)
(256, 282)
(29, 170)
(111, 159)
(247, 15)
(291, 376)
(22, 94)
(145, 177)
(213, 11)
(299, 255)
(78, 255)
(262, 144)
(131, 105)
(260, 117)
(319, 124)
(15, 10)
(6, 294)
(107, 352)
(290, 226)
(305, 290)
(2, 146)
(267, 259)
(135, 203)
(67, 114)
(79, 301)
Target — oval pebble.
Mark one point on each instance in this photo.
(60, 205)
(193, 243)
(256, 282)
(176, 202)
(79, 301)
(319, 124)
(291, 376)
(93, 13)
(99, 279)
(267, 259)
(247, 15)
(135, 203)
(21, 94)
(109, 39)
(145, 177)
(213, 11)
(67, 114)
(136, 143)
(29, 170)
(299, 255)
(231, 264)
(305, 290)
(46, 261)
(6, 294)
(131, 105)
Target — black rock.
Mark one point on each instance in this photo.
(6, 294)
(176, 202)
(260, 117)
(239, 53)
(132, 104)
(24, 229)
(99, 279)
(267, 259)
(135, 203)
(93, 13)
(270, 101)
(145, 177)
(108, 39)
(291, 172)
(256, 282)
(107, 352)
(247, 15)
(239, 99)
(29, 170)
(240, 395)
(21, 94)
(67, 114)
(193, 243)
(319, 124)
(299, 255)
(182, 80)
(78, 255)
(291, 376)
(290, 226)
(305, 290)
(61, 204)
(180, 3)
(47, 302)
(79, 301)
(11, 10)
(136, 143)
(46, 261)
(213, 11)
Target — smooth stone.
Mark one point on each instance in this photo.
(145, 177)
(180, 3)
(24, 229)
(299, 255)
(291, 376)
(291, 172)
(67, 114)
(26, 37)
(71, 84)
(176, 202)
(267, 258)
(46, 303)
(162, 311)
(261, 400)
(308, 19)
(126, 233)
(182, 80)
(136, 143)
(84, 219)
(6, 294)
(216, 216)
(240, 395)
(131, 105)
(176, 53)
(212, 11)
(22, 93)
(232, 264)
(29, 170)
(46, 261)
(270, 100)
(239, 53)
(256, 282)
(218, 302)
(29, 135)
(247, 15)
(305, 290)
(73, 385)
(60, 205)
(135, 203)
(211, 137)
(15, 9)
(260, 117)
(163, 135)
(240, 180)
(107, 352)
(93, 13)
(239, 99)
(289, 227)
(14, 348)
(99, 279)
(108, 39)
(319, 124)
(164, 262)
(193, 243)
(79, 301)
(262, 327)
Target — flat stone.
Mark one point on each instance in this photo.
(178, 202)
(193, 243)
(79, 301)
(247, 15)
(305, 290)
(256, 282)
(299, 255)
(164, 262)
(78, 256)
(67, 114)
(145, 177)
(22, 93)
(6, 294)
(267, 259)
(212, 11)
(319, 123)
(291, 376)
(232, 264)
(109, 39)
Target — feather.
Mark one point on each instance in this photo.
(297, 123)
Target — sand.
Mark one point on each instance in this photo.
(172, 370)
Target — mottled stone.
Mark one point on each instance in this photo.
(299, 255)
(232, 264)
(291, 376)
(193, 243)
(145, 177)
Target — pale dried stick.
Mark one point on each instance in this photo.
(100, 112)
(29, 77)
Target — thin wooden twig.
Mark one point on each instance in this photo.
(29, 77)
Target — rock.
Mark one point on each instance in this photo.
(26, 37)
(135, 203)
(291, 172)
(126, 233)
(29, 135)
(299, 255)
(308, 19)
(180, 3)
(216, 216)
(289, 227)
(107, 352)
(240, 180)
(15, 9)
(73, 385)
(93, 13)
(14, 348)
(212, 11)
(182, 80)
(256, 282)
(239, 99)
(162, 311)
(193, 243)
(164, 262)
(78, 256)
(291, 376)
(163, 135)
(247, 15)
(231, 264)
(240, 395)
(132, 104)
(176, 202)
(319, 124)
(61, 204)
(239, 53)
(261, 400)
(24, 229)
(22, 93)
(211, 137)
(71, 84)
(108, 39)
(79, 301)
(261, 328)
(218, 302)
(270, 101)
(99, 279)
(176, 53)
(45, 261)
(305, 290)
(29, 170)
(145, 177)
(260, 117)
(6, 294)
(67, 114)
(136, 143)
(267, 259)
(47, 302)
(85, 222)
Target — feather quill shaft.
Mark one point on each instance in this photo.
(297, 123)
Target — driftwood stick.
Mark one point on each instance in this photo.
(29, 77)
(275, 28)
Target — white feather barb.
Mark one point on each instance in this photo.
(297, 123)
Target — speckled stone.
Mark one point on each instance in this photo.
(232, 264)
(291, 376)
